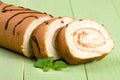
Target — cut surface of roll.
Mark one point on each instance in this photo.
(16, 26)
(43, 37)
(84, 41)
(26, 47)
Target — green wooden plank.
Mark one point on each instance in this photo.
(15, 2)
(104, 12)
(116, 5)
(11, 65)
(70, 73)
(56, 8)
(83, 9)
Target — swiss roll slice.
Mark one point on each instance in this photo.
(83, 41)
(44, 36)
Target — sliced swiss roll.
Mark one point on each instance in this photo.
(44, 36)
(83, 41)
(16, 26)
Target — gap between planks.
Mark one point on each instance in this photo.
(70, 3)
(114, 6)
(23, 70)
(26, 3)
(86, 74)
(23, 67)
(71, 8)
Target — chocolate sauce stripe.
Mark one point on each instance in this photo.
(7, 22)
(7, 6)
(22, 21)
(14, 10)
(36, 42)
(1, 2)
(5, 10)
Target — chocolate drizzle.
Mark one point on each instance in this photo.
(60, 17)
(25, 11)
(5, 9)
(46, 22)
(80, 19)
(51, 16)
(22, 21)
(67, 25)
(44, 13)
(7, 22)
(36, 42)
(20, 11)
(62, 21)
(1, 2)
(102, 24)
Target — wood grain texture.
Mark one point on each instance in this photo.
(11, 65)
(107, 12)
(15, 2)
(56, 8)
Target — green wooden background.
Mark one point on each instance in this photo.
(16, 67)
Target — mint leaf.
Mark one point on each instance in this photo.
(46, 68)
(47, 63)
(58, 65)
(43, 62)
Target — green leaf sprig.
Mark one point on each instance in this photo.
(48, 63)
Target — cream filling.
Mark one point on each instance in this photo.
(26, 48)
(51, 34)
(87, 39)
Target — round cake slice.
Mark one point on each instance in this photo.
(83, 41)
(44, 36)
